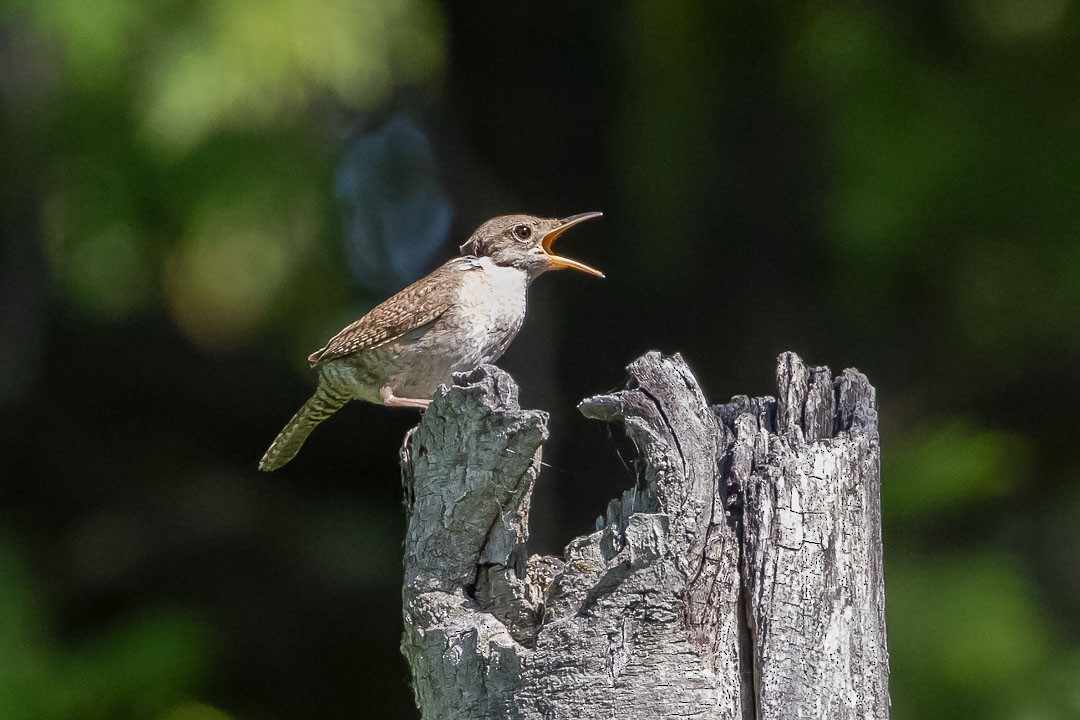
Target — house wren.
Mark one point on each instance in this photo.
(465, 313)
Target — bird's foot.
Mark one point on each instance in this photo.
(391, 400)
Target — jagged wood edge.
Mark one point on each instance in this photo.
(807, 468)
(518, 682)
(468, 470)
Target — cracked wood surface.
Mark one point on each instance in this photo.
(739, 578)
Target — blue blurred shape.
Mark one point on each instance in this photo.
(395, 214)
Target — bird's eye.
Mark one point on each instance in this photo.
(522, 232)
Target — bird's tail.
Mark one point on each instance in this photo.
(324, 403)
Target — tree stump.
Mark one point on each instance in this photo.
(740, 577)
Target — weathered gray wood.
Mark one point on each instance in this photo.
(673, 607)
(468, 471)
(812, 546)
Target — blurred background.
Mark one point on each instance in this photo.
(195, 195)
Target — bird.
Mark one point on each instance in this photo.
(464, 314)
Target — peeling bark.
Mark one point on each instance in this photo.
(739, 578)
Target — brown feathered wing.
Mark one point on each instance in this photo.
(415, 307)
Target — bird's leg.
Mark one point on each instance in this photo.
(389, 399)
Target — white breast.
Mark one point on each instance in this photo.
(477, 328)
(491, 311)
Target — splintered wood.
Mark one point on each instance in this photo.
(741, 576)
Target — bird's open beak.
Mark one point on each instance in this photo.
(564, 262)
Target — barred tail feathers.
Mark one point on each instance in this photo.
(324, 403)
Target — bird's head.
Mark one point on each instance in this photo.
(524, 242)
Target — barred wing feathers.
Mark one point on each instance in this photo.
(420, 304)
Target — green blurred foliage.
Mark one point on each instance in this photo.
(961, 165)
(184, 148)
(942, 467)
(881, 185)
(142, 668)
(970, 635)
(970, 638)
